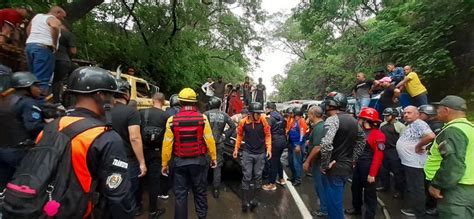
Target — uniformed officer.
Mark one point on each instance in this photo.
(450, 164)
(22, 118)
(189, 137)
(255, 131)
(104, 161)
(367, 166)
(218, 121)
(174, 105)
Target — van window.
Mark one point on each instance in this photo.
(142, 90)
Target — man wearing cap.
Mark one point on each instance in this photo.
(450, 165)
(188, 137)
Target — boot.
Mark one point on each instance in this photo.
(253, 198)
(245, 200)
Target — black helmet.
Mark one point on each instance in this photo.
(123, 86)
(256, 107)
(174, 100)
(23, 79)
(5, 82)
(337, 100)
(214, 103)
(244, 111)
(297, 111)
(89, 79)
(390, 112)
(271, 105)
(428, 110)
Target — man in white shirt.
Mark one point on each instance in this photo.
(207, 88)
(411, 150)
(43, 32)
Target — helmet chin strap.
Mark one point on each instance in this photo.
(106, 107)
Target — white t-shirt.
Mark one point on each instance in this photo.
(407, 142)
(208, 89)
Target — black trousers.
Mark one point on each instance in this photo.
(61, 72)
(276, 168)
(415, 194)
(431, 202)
(391, 163)
(364, 192)
(152, 178)
(194, 176)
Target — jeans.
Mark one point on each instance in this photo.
(363, 190)
(319, 188)
(421, 99)
(276, 168)
(10, 158)
(362, 102)
(41, 63)
(334, 189)
(297, 158)
(252, 167)
(194, 176)
(415, 194)
(133, 172)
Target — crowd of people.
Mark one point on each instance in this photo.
(101, 156)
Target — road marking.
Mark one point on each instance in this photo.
(299, 202)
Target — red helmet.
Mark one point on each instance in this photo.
(369, 114)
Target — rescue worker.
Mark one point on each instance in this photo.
(341, 146)
(174, 105)
(188, 137)
(23, 121)
(450, 164)
(429, 115)
(126, 122)
(99, 151)
(367, 166)
(296, 132)
(166, 181)
(391, 128)
(255, 131)
(277, 129)
(218, 121)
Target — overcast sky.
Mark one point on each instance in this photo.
(274, 60)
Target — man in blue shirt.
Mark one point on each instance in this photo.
(396, 73)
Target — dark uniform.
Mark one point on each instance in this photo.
(218, 121)
(277, 129)
(23, 121)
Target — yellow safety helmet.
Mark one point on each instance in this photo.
(187, 95)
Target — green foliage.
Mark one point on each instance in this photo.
(349, 36)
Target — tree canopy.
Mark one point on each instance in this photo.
(345, 37)
(173, 43)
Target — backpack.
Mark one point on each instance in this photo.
(151, 135)
(45, 184)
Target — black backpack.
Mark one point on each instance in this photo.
(46, 174)
(151, 135)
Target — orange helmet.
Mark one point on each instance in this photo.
(369, 114)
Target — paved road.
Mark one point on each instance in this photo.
(273, 204)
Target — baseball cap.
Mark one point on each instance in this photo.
(453, 102)
(385, 79)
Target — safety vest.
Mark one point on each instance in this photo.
(433, 162)
(79, 147)
(188, 131)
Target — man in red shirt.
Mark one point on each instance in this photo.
(10, 19)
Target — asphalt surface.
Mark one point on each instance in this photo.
(273, 204)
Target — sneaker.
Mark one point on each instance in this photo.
(432, 212)
(281, 182)
(381, 189)
(353, 211)
(164, 197)
(156, 214)
(215, 193)
(296, 183)
(408, 212)
(269, 187)
(397, 195)
(318, 213)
